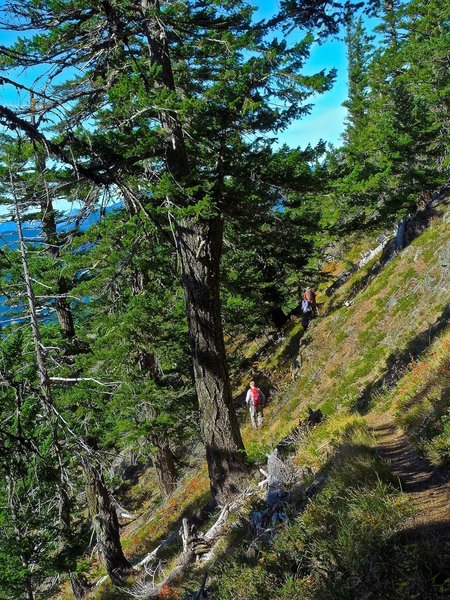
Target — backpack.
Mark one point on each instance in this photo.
(305, 306)
(310, 296)
(255, 397)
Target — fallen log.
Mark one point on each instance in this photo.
(277, 475)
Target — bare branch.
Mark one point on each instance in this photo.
(71, 380)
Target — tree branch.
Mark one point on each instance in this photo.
(79, 379)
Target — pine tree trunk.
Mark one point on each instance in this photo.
(63, 311)
(200, 246)
(105, 522)
(199, 243)
(165, 468)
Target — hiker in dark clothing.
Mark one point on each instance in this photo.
(307, 313)
(254, 400)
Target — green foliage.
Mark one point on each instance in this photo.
(393, 153)
(260, 269)
(136, 310)
(34, 545)
(338, 545)
(184, 147)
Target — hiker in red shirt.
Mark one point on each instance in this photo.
(254, 400)
(310, 296)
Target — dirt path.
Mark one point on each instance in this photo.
(428, 488)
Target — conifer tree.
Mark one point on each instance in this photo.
(393, 152)
(102, 508)
(141, 340)
(190, 84)
(425, 56)
(359, 49)
(264, 255)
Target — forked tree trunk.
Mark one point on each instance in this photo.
(200, 247)
(105, 522)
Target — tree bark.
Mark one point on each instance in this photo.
(105, 522)
(199, 242)
(165, 467)
(64, 312)
(200, 246)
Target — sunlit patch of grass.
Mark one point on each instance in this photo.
(340, 539)
(438, 448)
(145, 492)
(337, 430)
(405, 304)
(340, 337)
(191, 493)
(257, 452)
(370, 337)
(422, 400)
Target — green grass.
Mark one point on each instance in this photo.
(347, 541)
(338, 542)
(422, 401)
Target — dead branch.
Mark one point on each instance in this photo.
(71, 380)
(196, 546)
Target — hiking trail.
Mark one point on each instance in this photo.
(428, 487)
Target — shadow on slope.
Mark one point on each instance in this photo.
(398, 361)
(414, 227)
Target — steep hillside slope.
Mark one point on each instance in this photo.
(379, 349)
(371, 331)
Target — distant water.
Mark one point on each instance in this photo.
(32, 232)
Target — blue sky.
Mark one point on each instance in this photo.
(326, 120)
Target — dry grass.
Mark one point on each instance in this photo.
(350, 357)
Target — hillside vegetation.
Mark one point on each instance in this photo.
(165, 245)
(377, 351)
